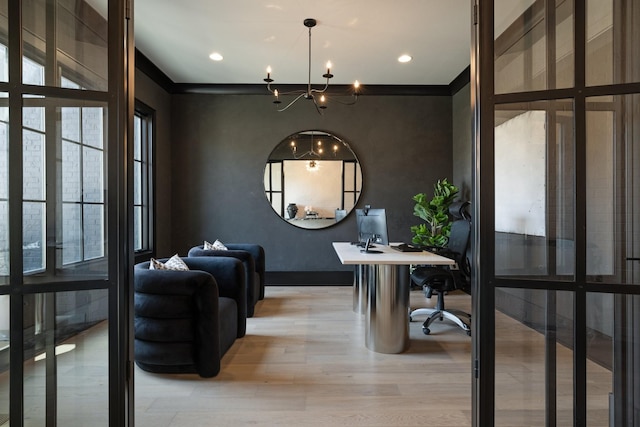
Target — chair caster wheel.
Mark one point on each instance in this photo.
(426, 331)
(469, 332)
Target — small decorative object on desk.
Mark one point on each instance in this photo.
(309, 212)
(292, 210)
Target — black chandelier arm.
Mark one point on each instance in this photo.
(355, 99)
(291, 92)
(293, 102)
(323, 90)
(309, 154)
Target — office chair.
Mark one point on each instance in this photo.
(442, 279)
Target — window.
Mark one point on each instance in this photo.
(34, 215)
(83, 205)
(142, 180)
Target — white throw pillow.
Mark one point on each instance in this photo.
(174, 263)
(215, 246)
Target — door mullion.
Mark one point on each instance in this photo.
(16, 367)
(580, 298)
(51, 381)
(580, 360)
(550, 359)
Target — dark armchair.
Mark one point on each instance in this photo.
(257, 252)
(252, 257)
(442, 279)
(185, 321)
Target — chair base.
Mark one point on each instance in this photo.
(456, 316)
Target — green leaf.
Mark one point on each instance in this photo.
(435, 213)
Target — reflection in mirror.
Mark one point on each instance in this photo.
(312, 179)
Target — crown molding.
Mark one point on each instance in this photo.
(460, 81)
(335, 90)
(144, 65)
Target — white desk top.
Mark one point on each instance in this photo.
(350, 254)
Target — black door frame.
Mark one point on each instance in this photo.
(484, 101)
(119, 99)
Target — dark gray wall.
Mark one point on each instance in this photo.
(220, 144)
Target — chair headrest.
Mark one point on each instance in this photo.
(458, 210)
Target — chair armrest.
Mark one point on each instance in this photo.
(250, 269)
(426, 275)
(254, 249)
(258, 254)
(230, 277)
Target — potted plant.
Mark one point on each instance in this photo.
(435, 212)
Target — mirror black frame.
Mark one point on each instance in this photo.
(304, 155)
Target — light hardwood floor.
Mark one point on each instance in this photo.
(303, 362)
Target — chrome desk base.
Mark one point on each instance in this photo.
(360, 288)
(387, 323)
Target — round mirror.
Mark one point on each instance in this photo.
(312, 179)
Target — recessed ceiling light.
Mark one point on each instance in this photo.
(216, 56)
(404, 58)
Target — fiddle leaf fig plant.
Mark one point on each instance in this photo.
(435, 230)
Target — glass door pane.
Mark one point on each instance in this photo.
(80, 42)
(534, 190)
(66, 333)
(64, 228)
(534, 357)
(534, 47)
(612, 42)
(613, 194)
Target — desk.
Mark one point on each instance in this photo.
(387, 311)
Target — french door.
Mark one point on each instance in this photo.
(556, 101)
(66, 112)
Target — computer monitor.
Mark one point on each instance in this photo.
(372, 224)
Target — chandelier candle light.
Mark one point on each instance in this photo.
(309, 92)
(314, 154)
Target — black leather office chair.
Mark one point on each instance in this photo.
(442, 279)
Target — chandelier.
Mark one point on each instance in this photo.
(313, 94)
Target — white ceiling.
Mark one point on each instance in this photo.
(362, 39)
